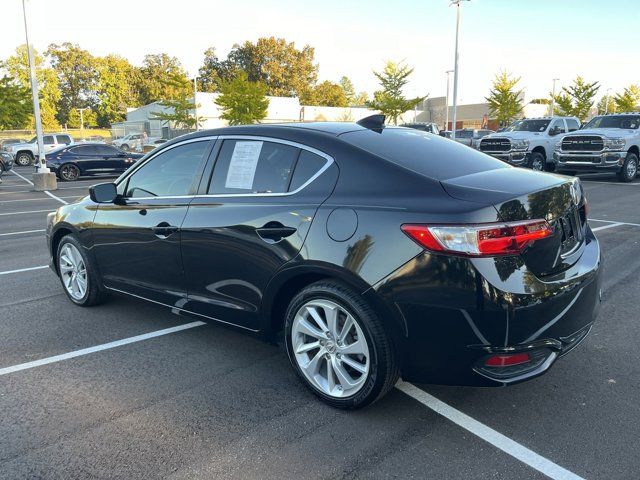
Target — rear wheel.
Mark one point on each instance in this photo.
(338, 346)
(629, 168)
(24, 159)
(536, 161)
(125, 147)
(77, 273)
(69, 172)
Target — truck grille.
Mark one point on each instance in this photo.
(582, 143)
(495, 145)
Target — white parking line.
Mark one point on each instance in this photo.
(604, 227)
(41, 199)
(488, 434)
(20, 233)
(8, 272)
(23, 178)
(614, 221)
(98, 348)
(64, 202)
(30, 211)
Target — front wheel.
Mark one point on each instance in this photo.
(69, 172)
(338, 346)
(77, 273)
(536, 162)
(24, 159)
(629, 168)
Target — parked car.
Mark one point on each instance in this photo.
(70, 163)
(128, 142)
(7, 142)
(6, 163)
(372, 251)
(425, 127)
(608, 143)
(25, 153)
(471, 137)
(529, 142)
(152, 143)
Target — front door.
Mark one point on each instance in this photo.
(137, 241)
(252, 218)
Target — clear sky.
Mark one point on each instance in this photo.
(535, 39)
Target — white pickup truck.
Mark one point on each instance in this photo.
(608, 143)
(25, 153)
(529, 142)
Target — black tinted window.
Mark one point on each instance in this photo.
(426, 154)
(170, 173)
(107, 150)
(250, 166)
(85, 150)
(308, 165)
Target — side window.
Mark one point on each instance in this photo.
(48, 140)
(251, 166)
(308, 165)
(572, 124)
(557, 126)
(107, 150)
(171, 173)
(84, 150)
(64, 139)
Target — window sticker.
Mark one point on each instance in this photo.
(242, 167)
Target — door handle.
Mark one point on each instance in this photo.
(275, 231)
(164, 229)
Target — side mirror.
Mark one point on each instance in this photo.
(103, 193)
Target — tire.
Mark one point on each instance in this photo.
(629, 168)
(536, 162)
(75, 267)
(24, 159)
(68, 172)
(125, 147)
(359, 379)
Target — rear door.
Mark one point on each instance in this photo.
(87, 158)
(251, 217)
(114, 160)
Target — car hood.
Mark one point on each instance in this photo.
(21, 145)
(605, 132)
(514, 135)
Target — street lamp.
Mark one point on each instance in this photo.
(43, 179)
(553, 97)
(195, 100)
(446, 107)
(455, 68)
(81, 110)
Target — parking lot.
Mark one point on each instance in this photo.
(116, 391)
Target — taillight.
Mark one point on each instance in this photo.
(483, 240)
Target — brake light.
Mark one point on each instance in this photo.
(481, 240)
(507, 360)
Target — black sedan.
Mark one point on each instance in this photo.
(6, 163)
(374, 252)
(72, 162)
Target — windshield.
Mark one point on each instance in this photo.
(512, 126)
(615, 121)
(530, 126)
(33, 140)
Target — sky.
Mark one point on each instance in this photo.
(537, 40)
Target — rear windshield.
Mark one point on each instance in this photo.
(426, 154)
(615, 121)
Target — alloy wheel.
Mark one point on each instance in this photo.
(632, 169)
(537, 165)
(330, 348)
(73, 271)
(23, 160)
(69, 172)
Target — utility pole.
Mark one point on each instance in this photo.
(446, 108)
(195, 100)
(81, 110)
(553, 97)
(43, 179)
(455, 70)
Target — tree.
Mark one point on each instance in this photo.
(116, 89)
(540, 101)
(162, 77)
(15, 104)
(606, 104)
(628, 100)
(326, 94)
(505, 102)
(48, 91)
(209, 74)
(180, 112)
(242, 101)
(361, 99)
(77, 76)
(348, 89)
(577, 99)
(274, 62)
(390, 100)
(87, 120)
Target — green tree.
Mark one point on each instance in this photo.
(348, 89)
(77, 76)
(629, 99)
(505, 102)
(326, 94)
(242, 101)
(361, 99)
(390, 100)
(180, 113)
(577, 99)
(606, 104)
(162, 77)
(116, 89)
(15, 104)
(48, 90)
(211, 71)
(88, 119)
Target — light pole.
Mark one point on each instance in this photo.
(43, 179)
(553, 97)
(455, 69)
(195, 100)
(81, 110)
(446, 107)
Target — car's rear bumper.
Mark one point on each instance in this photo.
(589, 162)
(458, 312)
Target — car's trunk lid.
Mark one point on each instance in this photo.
(519, 194)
